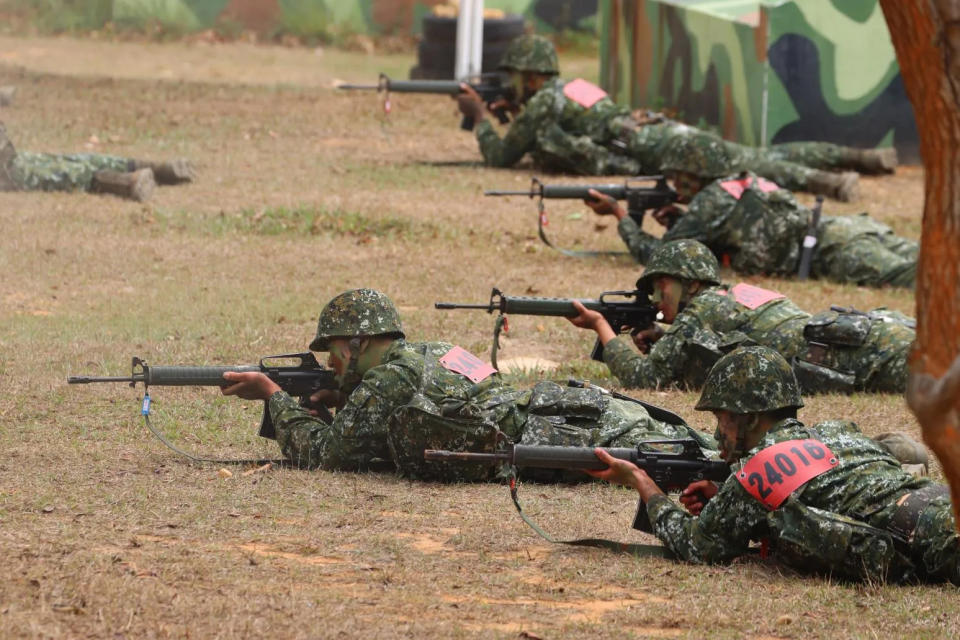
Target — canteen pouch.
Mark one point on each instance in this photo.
(811, 539)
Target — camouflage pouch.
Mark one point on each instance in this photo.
(840, 329)
(818, 378)
(551, 399)
(811, 539)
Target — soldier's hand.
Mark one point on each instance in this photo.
(326, 398)
(604, 205)
(667, 216)
(697, 494)
(618, 471)
(645, 338)
(249, 385)
(470, 104)
(587, 318)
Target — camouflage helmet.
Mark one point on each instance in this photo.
(750, 380)
(358, 312)
(530, 53)
(682, 259)
(702, 156)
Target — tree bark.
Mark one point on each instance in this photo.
(926, 36)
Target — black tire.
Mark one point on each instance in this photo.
(442, 58)
(444, 30)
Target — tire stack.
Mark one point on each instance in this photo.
(437, 51)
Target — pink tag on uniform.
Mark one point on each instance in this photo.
(461, 361)
(584, 93)
(736, 187)
(752, 297)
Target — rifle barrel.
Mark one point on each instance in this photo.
(456, 305)
(510, 193)
(363, 87)
(89, 379)
(437, 455)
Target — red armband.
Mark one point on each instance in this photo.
(777, 471)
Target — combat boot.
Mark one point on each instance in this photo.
(136, 185)
(904, 448)
(871, 160)
(166, 173)
(6, 95)
(839, 186)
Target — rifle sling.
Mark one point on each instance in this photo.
(573, 253)
(647, 550)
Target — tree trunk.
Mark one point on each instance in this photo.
(926, 36)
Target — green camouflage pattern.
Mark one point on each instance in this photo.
(834, 524)
(682, 259)
(530, 53)
(762, 233)
(750, 380)
(714, 321)
(358, 312)
(562, 135)
(702, 160)
(410, 402)
(761, 72)
(29, 171)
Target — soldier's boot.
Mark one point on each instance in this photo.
(870, 160)
(905, 449)
(136, 185)
(844, 187)
(173, 172)
(6, 95)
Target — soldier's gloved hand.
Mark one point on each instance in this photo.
(327, 398)
(667, 216)
(604, 205)
(644, 339)
(697, 494)
(249, 385)
(470, 104)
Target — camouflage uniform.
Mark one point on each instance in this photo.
(862, 518)
(762, 231)
(562, 135)
(870, 350)
(410, 402)
(61, 172)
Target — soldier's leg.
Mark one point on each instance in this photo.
(937, 543)
(175, 171)
(901, 246)
(865, 261)
(797, 177)
(64, 172)
(828, 156)
(136, 185)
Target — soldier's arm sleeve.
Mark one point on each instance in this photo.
(507, 151)
(640, 243)
(661, 367)
(722, 532)
(356, 437)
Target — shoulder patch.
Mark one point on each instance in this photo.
(461, 361)
(736, 187)
(584, 93)
(753, 297)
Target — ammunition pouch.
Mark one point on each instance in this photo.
(825, 542)
(703, 350)
(903, 523)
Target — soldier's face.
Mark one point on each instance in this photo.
(726, 433)
(686, 185)
(339, 355)
(667, 292)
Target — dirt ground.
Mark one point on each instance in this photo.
(303, 192)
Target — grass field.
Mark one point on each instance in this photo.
(304, 192)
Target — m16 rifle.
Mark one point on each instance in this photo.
(671, 464)
(300, 380)
(641, 194)
(491, 87)
(624, 310)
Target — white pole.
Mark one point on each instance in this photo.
(469, 39)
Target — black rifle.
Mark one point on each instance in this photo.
(810, 241)
(634, 311)
(301, 380)
(491, 87)
(636, 191)
(669, 468)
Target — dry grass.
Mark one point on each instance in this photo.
(304, 192)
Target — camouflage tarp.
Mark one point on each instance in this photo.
(762, 72)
